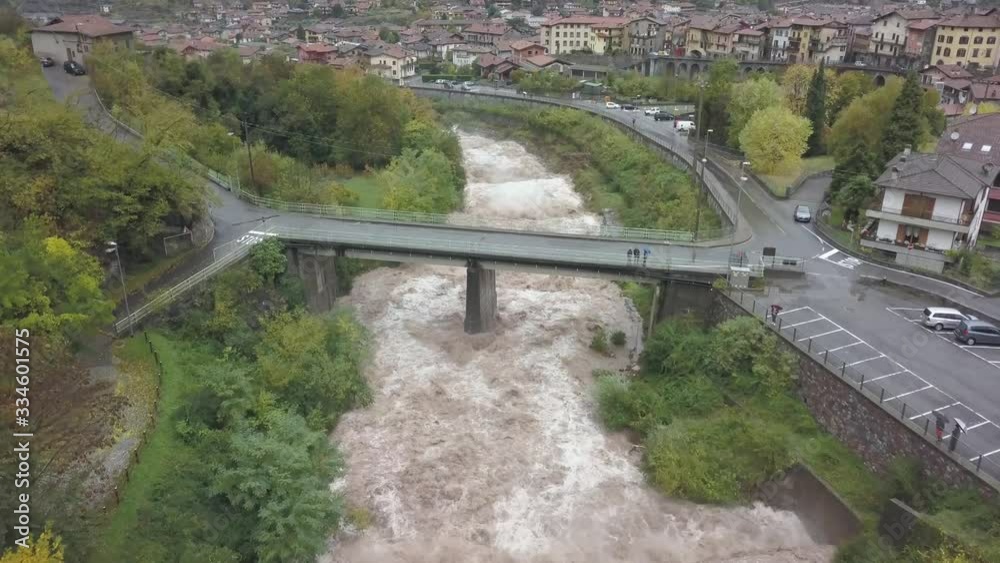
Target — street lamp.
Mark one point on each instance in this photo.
(736, 218)
(113, 247)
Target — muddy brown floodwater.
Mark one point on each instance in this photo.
(486, 448)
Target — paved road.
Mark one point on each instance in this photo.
(833, 296)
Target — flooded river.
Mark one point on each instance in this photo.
(487, 448)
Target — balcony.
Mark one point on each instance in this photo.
(915, 256)
(920, 218)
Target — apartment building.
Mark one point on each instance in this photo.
(710, 38)
(646, 35)
(71, 38)
(968, 41)
(776, 43)
(929, 204)
(485, 34)
(585, 33)
(749, 45)
(898, 38)
(390, 62)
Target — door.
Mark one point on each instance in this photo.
(69, 54)
(915, 205)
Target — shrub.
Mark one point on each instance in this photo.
(630, 404)
(599, 342)
(618, 338)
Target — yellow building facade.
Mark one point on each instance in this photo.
(968, 41)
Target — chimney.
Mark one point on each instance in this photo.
(987, 169)
(906, 152)
(895, 173)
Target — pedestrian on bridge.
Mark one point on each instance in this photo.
(635, 252)
(645, 255)
(629, 253)
(775, 311)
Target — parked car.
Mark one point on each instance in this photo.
(448, 85)
(684, 126)
(651, 111)
(629, 107)
(940, 318)
(440, 81)
(859, 63)
(612, 105)
(467, 86)
(977, 332)
(74, 68)
(47, 61)
(663, 116)
(802, 214)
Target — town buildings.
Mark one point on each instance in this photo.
(71, 38)
(968, 41)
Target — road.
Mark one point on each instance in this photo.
(925, 370)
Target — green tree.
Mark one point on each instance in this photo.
(268, 260)
(721, 75)
(905, 126)
(855, 194)
(815, 110)
(861, 161)
(863, 121)
(46, 548)
(775, 139)
(844, 89)
(747, 98)
(795, 82)
(424, 181)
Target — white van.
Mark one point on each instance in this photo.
(684, 126)
(940, 318)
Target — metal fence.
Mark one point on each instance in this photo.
(921, 423)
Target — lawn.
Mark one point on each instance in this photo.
(162, 451)
(779, 183)
(369, 191)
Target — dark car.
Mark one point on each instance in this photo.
(977, 332)
(802, 214)
(47, 61)
(74, 68)
(663, 116)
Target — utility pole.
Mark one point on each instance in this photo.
(246, 140)
(113, 247)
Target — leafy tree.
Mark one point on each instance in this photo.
(721, 74)
(749, 356)
(843, 89)
(863, 121)
(543, 81)
(337, 11)
(905, 126)
(268, 260)
(816, 109)
(747, 98)
(860, 162)
(855, 194)
(424, 181)
(46, 548)
(388, 35)
(775, 139)
(795, 82)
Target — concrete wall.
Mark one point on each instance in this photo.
(940, 239)
(827, 518)
(872, 431)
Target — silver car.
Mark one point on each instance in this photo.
(940, 318)
(802, 214)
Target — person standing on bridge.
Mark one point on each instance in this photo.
(645, 255)
(629, 254)
(635, 252)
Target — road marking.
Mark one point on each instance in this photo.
(828, 254)
(817, 237)
(863, 361)
(820, 335)
(904, 308)
(888, 375)
(984, 455)
(977, 425)
(847, 345)
(937, 409)
(802, 323)
(791, 311)
(929, 386)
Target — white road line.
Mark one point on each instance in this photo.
(888, 375)
(793, 310)
(977, 425)
(868, 360)
(827, 255)
(803, 323)
(986, 454)
(847, 345)
(904, 308)
(820, 335)
(937, 409)
(909, 392)
(817, 237)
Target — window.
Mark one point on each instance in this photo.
(951, 39)
(989, 53)
(947, 52)
(963, 40)
(975, 53)
(977, 40)
(960, 53)
(985, 148)
(966, 146)
(991, 40)
(938, 51)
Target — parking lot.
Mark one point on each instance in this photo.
(988, 354)
(900, 387)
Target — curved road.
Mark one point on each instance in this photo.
(867, 324)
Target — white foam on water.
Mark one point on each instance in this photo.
(486, 448)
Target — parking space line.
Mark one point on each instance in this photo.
(804, 323)
(888, 375)
(820, 335)
(986, 455)
(793, 311)
(868, 360)
(905, 308)
(829, 254)
(937, 409)
(929, 386)
(977, 425)
(847, 345)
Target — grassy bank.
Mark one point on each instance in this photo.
(780, 183)
(608, 168)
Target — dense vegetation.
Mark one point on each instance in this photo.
(253, 386)
(718, 417)
(310, 126)
(609, 169)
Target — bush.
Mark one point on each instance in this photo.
(618, 338)
(626, 404)
(599, 342)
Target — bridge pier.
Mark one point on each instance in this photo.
(319, 277)
(480, 298)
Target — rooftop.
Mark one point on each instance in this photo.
(90, 26)
(937, 174)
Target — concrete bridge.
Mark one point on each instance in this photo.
(692, 67)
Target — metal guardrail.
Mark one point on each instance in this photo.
(920, 423)
(232, 184)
